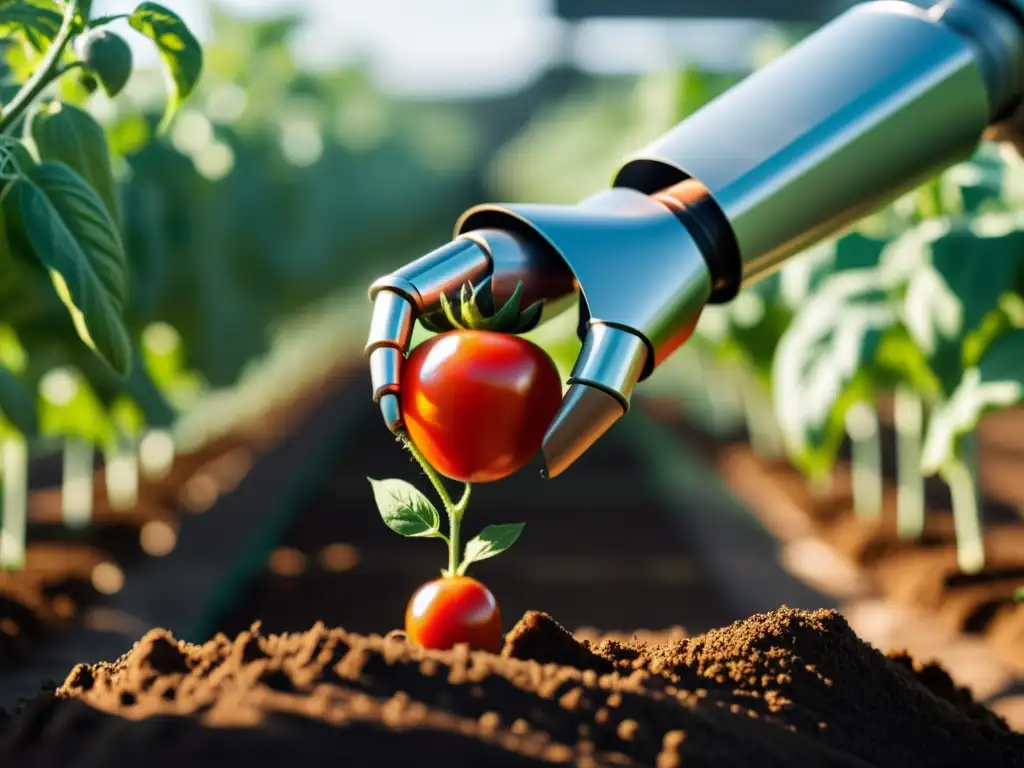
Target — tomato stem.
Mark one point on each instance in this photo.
(454, 510)
(49, 69)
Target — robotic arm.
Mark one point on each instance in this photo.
(860, 112)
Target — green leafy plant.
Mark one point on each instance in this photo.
(59, 195)
(64, 270)
(916, 323)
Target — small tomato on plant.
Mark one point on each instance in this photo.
(452, 610)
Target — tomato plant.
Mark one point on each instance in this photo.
(926, 322)
(70, 367)
(450, 401)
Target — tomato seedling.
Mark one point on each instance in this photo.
(476, 402)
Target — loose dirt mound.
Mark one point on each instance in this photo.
(780, 689)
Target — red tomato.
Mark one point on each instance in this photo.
(451, 610)
(477, 403)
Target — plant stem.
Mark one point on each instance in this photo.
(14, 460)
(866, 459)
(757, 408)
(76, 488)
(959, 475)
(156, 454)
(820, 485)
(454, 510)
(49, 69)
(910, 508)
(141, 387)
(122, 475)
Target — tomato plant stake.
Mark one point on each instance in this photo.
(14, 458)
(908, 420)
(866, 459)
(960, 475)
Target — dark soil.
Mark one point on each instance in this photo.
(779, 689)
(923, 574)
(60, 583)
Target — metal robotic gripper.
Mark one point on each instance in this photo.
(863, 110)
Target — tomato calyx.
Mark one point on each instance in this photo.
(408, 512)
(476, 312)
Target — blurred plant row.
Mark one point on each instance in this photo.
(919, 306)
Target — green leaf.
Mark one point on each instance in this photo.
(471, 315)
(179, 50)
(39, 24)
(824, 360)
(490, 542)
(100, 21)
(72, 234)
(66, 134)
(509, 314)
(405, 510)
(996, 382)
(959, 281)
(449, 314)
(127, 416)
(108, 56)
(18, 404)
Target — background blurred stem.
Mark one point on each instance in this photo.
(14, 459)
(77, 485)
(122, 474)
(765, 439)
(820, 485)
(960, 475)
(139, 385)
(722, 398)
(909, 424)
(156, 454)
(866, 459)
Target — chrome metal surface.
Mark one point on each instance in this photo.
(611, 359)
(995, 35)
(443, 270)
(391, 322)
(385, 369)
(513, 260)
(636, 266)
(610, 364)
(391, 412)
(862, 110)
(585, 415)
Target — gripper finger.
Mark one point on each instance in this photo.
(390, 334)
